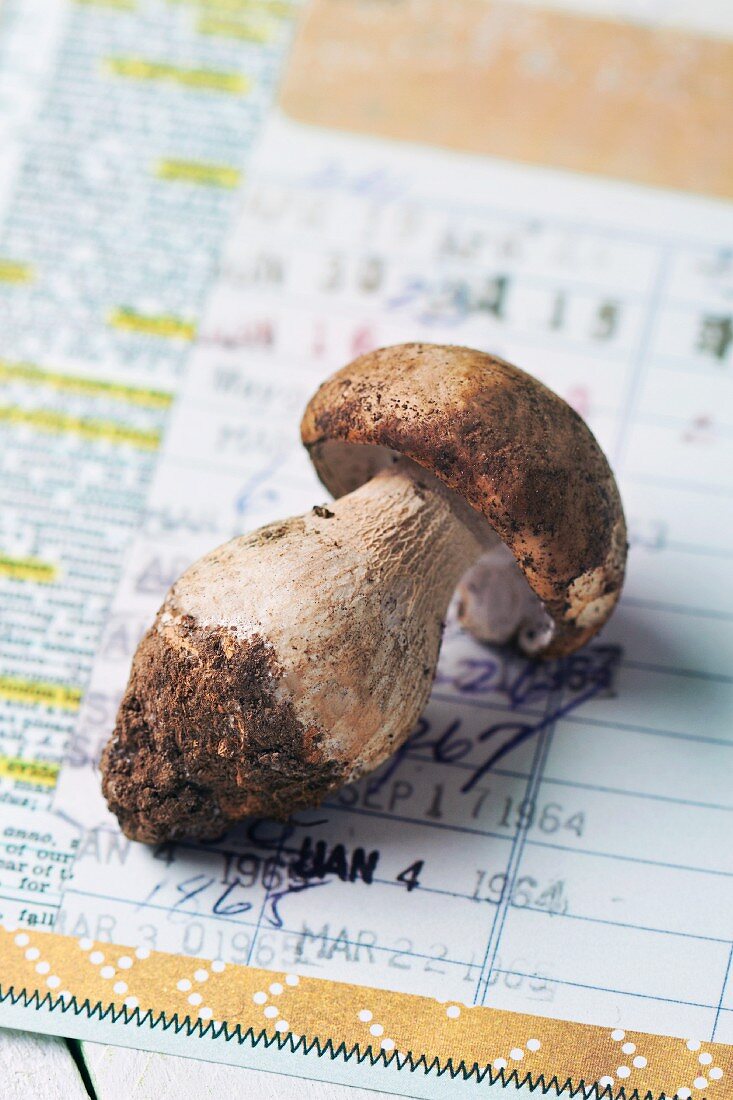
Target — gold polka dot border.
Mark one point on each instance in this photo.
(230, 999)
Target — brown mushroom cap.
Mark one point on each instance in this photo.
(510, 447)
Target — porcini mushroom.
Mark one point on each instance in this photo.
(294, 659)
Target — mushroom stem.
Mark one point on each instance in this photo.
(293, 659)
(290, 660)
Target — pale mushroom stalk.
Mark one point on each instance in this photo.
(298, 657)
(335, 615)
(351, 600)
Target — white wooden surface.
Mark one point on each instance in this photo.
(34, 1066)
(121, 1074)
(41, 1067)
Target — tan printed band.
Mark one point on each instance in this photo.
(349, 1020)
(524, 83)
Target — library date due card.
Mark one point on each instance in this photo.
(206, 206)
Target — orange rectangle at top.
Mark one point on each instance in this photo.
(529, 84)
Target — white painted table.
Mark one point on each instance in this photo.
(40, 1066)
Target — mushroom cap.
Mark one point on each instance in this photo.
(517, 453)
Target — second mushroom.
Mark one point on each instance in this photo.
(294, 659)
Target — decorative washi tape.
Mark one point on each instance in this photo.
(301, 1014)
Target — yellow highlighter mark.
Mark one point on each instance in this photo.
(30, 374)
(209, 80)
(164, 325)
(192, 171)
(12, 271)
(250, 29)
(28, 569)
(47, 420)
(45, 693)
(277, 9)
(115, 5)
(41, 772)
